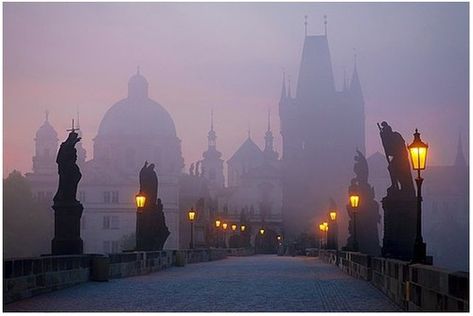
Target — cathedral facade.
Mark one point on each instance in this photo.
(321, 129)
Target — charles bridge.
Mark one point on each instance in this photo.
(218, 279)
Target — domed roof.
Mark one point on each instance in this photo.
(137, 115)
(46, 131)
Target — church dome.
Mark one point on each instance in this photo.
(137, 115)
(46, 131)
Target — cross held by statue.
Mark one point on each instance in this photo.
(73, 129)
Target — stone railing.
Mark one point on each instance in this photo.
(413, 287)
(26, 277)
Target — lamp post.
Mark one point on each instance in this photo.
(418, 153)
(261, 232)
(333, 218)
(326, 234)
(191, 215)
(217, 226)
(354, 203)
(224, 227)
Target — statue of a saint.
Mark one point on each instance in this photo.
(149, 183)
(69, 173)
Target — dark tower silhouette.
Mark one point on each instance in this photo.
(321, 128)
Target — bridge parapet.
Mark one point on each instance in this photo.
(413, 287)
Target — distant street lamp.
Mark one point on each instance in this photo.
(323, 229)
(354, 203)
(418, 152)
(140, 199)
(243, 228)
(234, 227)
(326, 233)
(192, 214)
(334, 230)
(261, 232)
(224, 227)
(217, 226)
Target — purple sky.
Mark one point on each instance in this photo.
(412, 61)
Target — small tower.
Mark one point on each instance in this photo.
(269, 153)
(212, 162)
(46, 146)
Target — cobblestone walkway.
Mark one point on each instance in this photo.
(256, 283)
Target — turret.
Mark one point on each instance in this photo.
(269, 153)
(46, 146)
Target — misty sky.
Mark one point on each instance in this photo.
(412, 62)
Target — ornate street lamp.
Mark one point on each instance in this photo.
(334, 231)
(234, 227)
(354, 203)
(192, 213)
(217, 226)
(217, 223)
(242, 228)
(323, 229)
(333, 215)
(140, 200)
(418, 152)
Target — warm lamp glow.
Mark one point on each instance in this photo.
(140, 200)
(217, 223)
(192, 214)
(224, 226)
(418, 152)
(279, 237)
(261, 231)
(234, 227)
(325, 226)
(354, 200)
(321, 227)
(242, 228)
(333, 215)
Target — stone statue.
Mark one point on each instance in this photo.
(149, 183)
(361, 168)
(67, 209)
(69, 173)
(398, 160)
(151, 229)
(197, 166)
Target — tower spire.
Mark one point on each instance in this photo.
(212, 136)
(46, 115)
(269, 120)
(305, 24)
(325, 24)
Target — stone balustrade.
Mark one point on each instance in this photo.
(413, 287)
(26, 277)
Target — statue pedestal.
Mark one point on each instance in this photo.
(399, 226)
(67, 239)
(151, 229)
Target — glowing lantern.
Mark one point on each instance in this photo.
(333, 215)
(140, 200)
(418, 152)
(192, 214)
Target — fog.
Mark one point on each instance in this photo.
(412, 62)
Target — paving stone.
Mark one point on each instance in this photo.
(237, 284)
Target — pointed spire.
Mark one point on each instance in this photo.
(283, 89)
(460, 160)
(355, 85)
(212, 136)
(305, 25)
(46, 115)
(325, 24)
(269, 120)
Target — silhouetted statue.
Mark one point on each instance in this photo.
(400, 202)
(149, 183)
(67, 209)
(191, 169)
(151, 229)
(398, 160)
(367, 213)
(197, 166)
(69, 173)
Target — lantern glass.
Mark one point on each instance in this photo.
(140, 200)
(192, 214)
(217, 223)
(325, 226)
(418, 152)
(242, 228)
(261, 231)
(354, 200)
(333, 215)
(322, 227)
(234, 227)
(224, 225)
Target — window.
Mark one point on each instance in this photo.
(114, 196)
(106, 246)
(106, 222)
(115, 222)
(106, 197)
